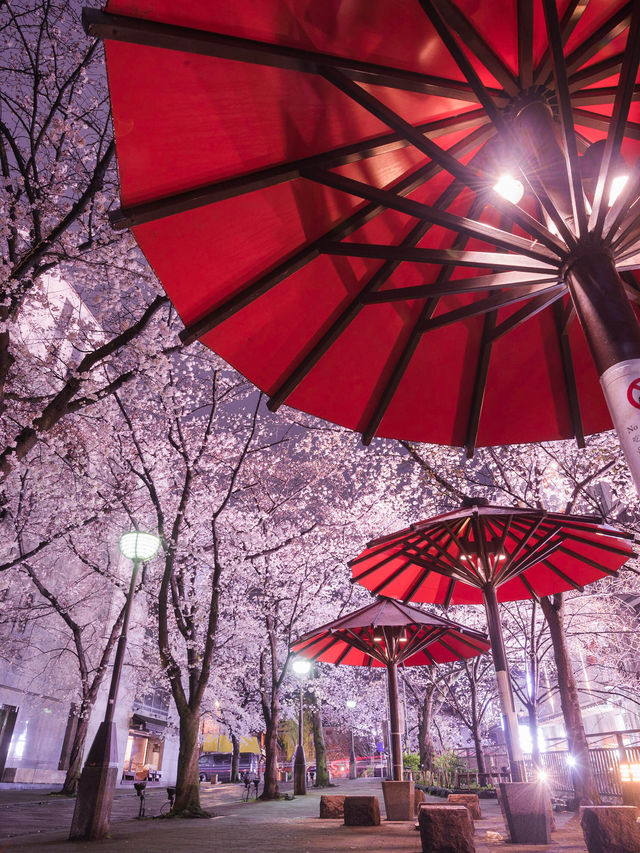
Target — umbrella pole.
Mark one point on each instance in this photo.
(505, 693)
(394, 715)
(608, 321)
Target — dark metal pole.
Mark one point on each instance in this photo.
(602, 306)
(353, 767)
(299, 761)
(505, 692)
(394, 715)
(97, 784)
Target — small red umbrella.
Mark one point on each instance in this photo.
(388, 633)
(485, 554)
(312, 181)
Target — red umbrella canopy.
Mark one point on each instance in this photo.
(312, 183)
(388, 632)
(522, 553)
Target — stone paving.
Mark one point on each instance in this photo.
(32, 821)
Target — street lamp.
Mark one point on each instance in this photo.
(353, 767)
(301, 668)
(98, 780)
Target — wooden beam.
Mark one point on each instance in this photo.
(480, 383)
(492, 260)
(570, 386)
(598, 40)
(525, 43)
(187, 40)
(535, 306)
(476, 284)
(568, 23)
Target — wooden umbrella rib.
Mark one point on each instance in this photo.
(593, 563)
(566, 119)
(546, 298)
(357, 642)
(371, 569)
(476, 284)
(333, 640)
(491, 260)
(493, 303)
(449, 593)
(296, 261)
(601, 122)
(480, 383)
(605, 95)
(351, 310)
(625, 89)
(461, 25)
(599, 544)
(595, 73)
(568, 23)
(259, 179)
(531, 590)
(529, 533)
(598, 40)
(140, 31)
(435, 215)
(525, 43)
(562, 575)
(568, 372)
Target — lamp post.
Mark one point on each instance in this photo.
(353, 767)
(301, 668)
(98, 780)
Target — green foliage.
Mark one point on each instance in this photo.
(411, 761)
(447, 764)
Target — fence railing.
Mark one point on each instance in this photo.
(605, 764)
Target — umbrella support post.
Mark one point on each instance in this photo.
(394, 715)
(505, 693)
(613, 335)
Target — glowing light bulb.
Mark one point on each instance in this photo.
(617, 185)
(510, 188)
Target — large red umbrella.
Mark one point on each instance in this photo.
(485, 554)
(312, 184)
(388, 633)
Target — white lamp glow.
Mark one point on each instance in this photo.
(139, 546)
(510, 188)
(301, 666)
(351, 703)
(617, 185)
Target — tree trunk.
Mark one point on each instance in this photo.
(187, 802)
(532, 710)
(425, 740)
(70, 785)
(582, 775)
(477, 743)
(235, 758)
(322, 771)
(271, 790)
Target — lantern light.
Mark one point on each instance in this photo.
(510, 188)
(629, 772)
(301, 666)
(139, 546)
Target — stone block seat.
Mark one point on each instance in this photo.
(361, 811)
(470, 801)
(332, 806)
(611, 829)
(445, 828)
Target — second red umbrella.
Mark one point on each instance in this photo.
(388, 633)
(483, 554)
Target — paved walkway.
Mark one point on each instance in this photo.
(31, 821)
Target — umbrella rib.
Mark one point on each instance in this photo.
(477, 284)
(460, 24)
(415, 586)
(131, 30)
(593, 563)
(569, 22)
(532, 591)
(620, 208)
(357, 642)
(601, 546)
(259, 179)
(562, 575)
(595, 73)
(440, 156)
(480, 383)
(436, 216)
(569, 375)
(449, 594)
(605, 95)
(600, 122)
(566, 120)
(624, 94)
(491, 260)
(525, 43)
(308, 253)
(545, 298)
(402, 363)
(610, 30)
(378, 566)
(499, 300)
